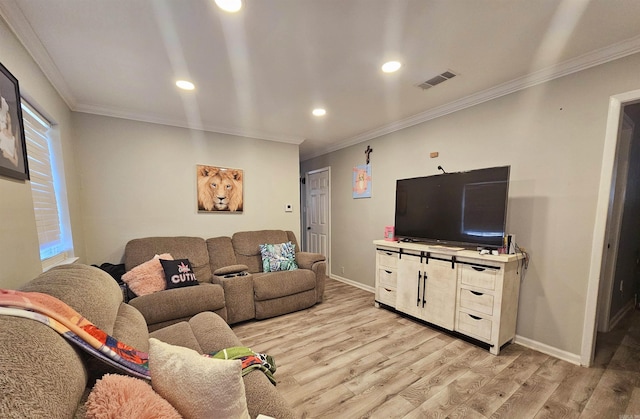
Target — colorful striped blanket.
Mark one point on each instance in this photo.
(74, 327)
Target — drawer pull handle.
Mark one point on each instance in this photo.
(474, 317)
(418, 299)
(389, 272)
(424, 287)
(387, 289)
(477, 268)
(388, 253)
(475, 292)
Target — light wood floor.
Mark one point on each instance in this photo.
(345, 358)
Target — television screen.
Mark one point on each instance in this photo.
(465, 208)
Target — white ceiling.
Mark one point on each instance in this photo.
(260, 72)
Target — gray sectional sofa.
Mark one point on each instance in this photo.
(235, 265)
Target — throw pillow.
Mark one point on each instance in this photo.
(197, 386)
(148, 277)
(118, 396)
(178, 273)
(278, 257)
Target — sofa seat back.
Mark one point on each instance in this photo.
(246, 245)
(138, 251)
(220, 253)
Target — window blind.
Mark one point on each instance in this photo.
(45, 204)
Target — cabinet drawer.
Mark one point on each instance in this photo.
(386, 296)
(387, 277)
(478, 276)
(476, 301)
(387, 258)
(474, 326)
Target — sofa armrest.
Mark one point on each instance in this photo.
(318, 264)
(305, 260)
(231, 269)
(179, 303)
(238, 296)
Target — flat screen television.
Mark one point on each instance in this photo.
(463, 208)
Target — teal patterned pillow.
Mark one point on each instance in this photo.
(278, 257)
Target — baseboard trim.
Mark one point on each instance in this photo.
(354, 283)
(549, 350)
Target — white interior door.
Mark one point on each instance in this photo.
(318, 211)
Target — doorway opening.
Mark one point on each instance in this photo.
(614, 195)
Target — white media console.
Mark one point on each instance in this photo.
(456, 289)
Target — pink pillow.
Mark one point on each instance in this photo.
(148, 277)
(121, 397)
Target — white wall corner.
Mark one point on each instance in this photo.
(353, 283)
(549, 350)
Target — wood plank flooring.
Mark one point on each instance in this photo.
(345, 358)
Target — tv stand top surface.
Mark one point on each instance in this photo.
(433, 247)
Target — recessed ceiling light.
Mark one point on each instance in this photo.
(391, 66)
(319, 112)
(230, 6)
(185, 85)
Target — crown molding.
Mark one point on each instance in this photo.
(15, 19)
(141, 117)
(20, 26)
(583, 62)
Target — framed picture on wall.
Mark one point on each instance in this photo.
(362, 181)
(219, 189)
(13, 150)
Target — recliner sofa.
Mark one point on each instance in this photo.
(231, 268)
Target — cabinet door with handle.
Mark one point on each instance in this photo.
(427, 290)
(440, 305)
(410, 285)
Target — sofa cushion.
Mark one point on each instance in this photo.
(246, 245)
(198, 387)
(179, 303)
(178, 273)
(279, 284)
(278, 257)
(138, 251)
(119, 396)
(147, 277)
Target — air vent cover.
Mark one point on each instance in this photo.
(437, 80)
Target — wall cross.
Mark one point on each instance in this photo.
(367, 152)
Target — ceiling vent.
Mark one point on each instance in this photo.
(437, 80)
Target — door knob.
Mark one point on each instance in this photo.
(308, 228)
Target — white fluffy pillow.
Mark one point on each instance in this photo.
(197, 386)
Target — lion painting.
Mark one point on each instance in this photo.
(219, 189)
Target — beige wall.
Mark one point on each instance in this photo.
(552, 135)
(138, 179)
(19, 254)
